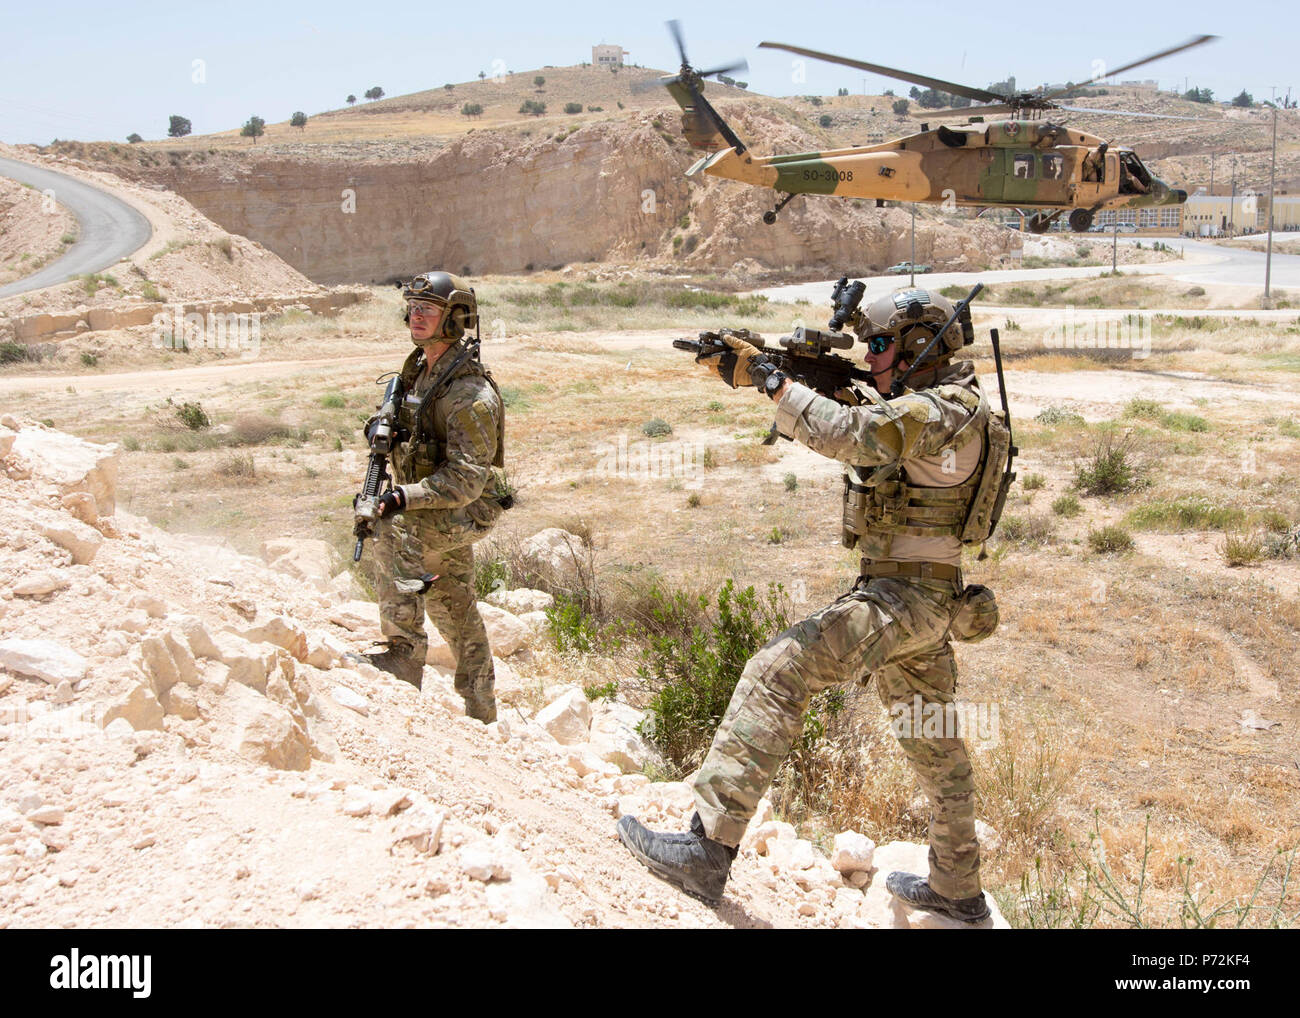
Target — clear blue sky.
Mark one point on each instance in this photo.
(102, 70)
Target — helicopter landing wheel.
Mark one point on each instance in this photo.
(769, 217)
(1080, 220)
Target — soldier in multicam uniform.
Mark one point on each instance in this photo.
(449, 490)
(923, 476)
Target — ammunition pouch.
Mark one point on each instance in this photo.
(976, 617)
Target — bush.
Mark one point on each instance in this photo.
(472, 110)
(656, 428)
(239, 466)
(1067, 506)
(1242, 550)
(1033, 482)
(1110, 540)
(193, 416)
(1054, 415)
(791, 482)
(572, 108)
(1186, 512)
(572, 627)
(1032, 530)
(694, 664)
(89, 359)
(333, 401)
(1111, 468)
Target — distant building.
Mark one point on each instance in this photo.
(608, 56)
(1211, 215)
(1286, 212)
(1149, 84)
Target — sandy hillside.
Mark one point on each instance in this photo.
(33, 230)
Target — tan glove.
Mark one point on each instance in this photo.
(732, 365)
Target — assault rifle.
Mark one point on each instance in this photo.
(804, 356)
(383, 433)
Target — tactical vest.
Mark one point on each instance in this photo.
(426, 450)
(878, 502)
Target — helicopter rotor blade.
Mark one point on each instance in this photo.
(966, 91)
(1133, 113)
(739, 65)
(675, 30)
(995, 110)
(1112, 71)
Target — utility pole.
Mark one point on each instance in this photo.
(1272, 177)
(1212, 154)
(1232, 202)
(1114, 247)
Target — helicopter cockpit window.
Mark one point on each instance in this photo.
(1022, 166)
(1053, 167)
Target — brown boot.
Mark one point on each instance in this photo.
(401, 662)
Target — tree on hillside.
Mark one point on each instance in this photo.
(482, 75)
(1199, 95)
(298, 120)
(573, 107)
(539, 81)
(901, 107)
(471, 110)
(352, 100)
(742, 84)
(179, 127)
(254, 128)
(133, 138)
(915, 93)
(824, 120)
(1244, 99)
(374, 93)
(449, 86)
(532, 107)
(841, 91)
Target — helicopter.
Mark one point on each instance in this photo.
(1007, 155)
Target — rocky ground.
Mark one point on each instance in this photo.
(188, 739)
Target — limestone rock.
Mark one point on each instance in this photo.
(357, 617)
(303, 559)
(153, 606)
(479, 862)
(38, 584)
(281, 631)
(421, 829)
(266, 733)
(351, 699)
(139, 706)
(853, 852)
(538, 626)
(82, 506)
(760, 838)
(557, 555)
(521, 600)
(250, 664)
(568, 718)
(197, 636)
(506, 634)
(43, 659)
(79, 540)
(7, 436)
(70, 463)
(180, 701)
(324, 651)
(614, 737)
(796, 854)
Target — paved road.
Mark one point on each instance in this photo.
(1203, 264)
(109, 230)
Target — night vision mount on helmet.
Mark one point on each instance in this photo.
(449, 292)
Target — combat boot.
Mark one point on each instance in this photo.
(693, 861)
(400, 662)
(909, 888)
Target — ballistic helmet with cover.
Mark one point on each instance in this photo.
(911, 318)
(447, 291)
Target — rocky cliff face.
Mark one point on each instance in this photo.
(489, 202)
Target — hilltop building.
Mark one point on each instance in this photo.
(608, 56)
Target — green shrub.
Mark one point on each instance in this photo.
(89, 359)
(1067, 506)
(333, 401)
(693, 500)
(1186, 512)
(791, 482)
(1033, 482)
(604, 691)
(490, 573)
(193, 416)
(572, 627)
(1054, 415)
(1147, 409)
(130, 443)
(1178, 420)
(656, 428)
(1032, 530)
(1110, 540)
(1111, 468)
(694, 661)
(14, 353)
(1242, 549)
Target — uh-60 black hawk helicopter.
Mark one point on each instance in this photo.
(1008, 154)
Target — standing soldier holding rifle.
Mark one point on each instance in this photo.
(926, 472)
(443, 420)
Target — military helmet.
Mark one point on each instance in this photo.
(911, 318)
(447, 291)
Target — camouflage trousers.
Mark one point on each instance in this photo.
(431, 541)
(890, 629)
